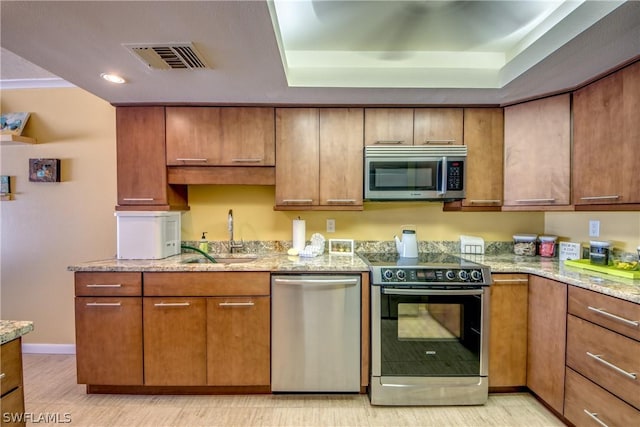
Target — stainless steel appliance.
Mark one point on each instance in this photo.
(415, 172)
(315, 335)
(429, 330)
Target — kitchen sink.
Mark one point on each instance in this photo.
(222, 259)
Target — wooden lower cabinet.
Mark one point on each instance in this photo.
(238, 341)
(508, 331)
(546, 340)
(175, 347)
(11, 388)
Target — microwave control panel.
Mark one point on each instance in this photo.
(455, 175)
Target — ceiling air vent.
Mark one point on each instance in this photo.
(177, 56)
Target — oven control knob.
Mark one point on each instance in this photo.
(401, 274)
(450, 275)
(476, 275)
(387, 274)
(463, 275)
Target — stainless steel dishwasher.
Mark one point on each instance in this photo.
(315, 333)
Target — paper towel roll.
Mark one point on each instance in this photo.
(299, 240)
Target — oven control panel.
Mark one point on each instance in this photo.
(430, 275)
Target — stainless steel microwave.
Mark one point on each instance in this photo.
(415, 172)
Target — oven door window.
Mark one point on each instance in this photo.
(403, 175)
(430, 335)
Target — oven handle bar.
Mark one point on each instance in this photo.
(396, 291)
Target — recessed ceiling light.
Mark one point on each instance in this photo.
(113, 78)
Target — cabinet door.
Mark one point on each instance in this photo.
(388, 126)
(220, 136)
(142, 174)
(546, 340)
(605, 135)
(341, 156)
(298, 153)
(238, 341)
(508, 336)
(438, 126)
(537, 152)
(175, 348)
(109, 340)
(484, 138)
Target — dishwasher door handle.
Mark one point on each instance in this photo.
(353, 281)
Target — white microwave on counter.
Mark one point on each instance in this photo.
(148, 234)
(415, 172)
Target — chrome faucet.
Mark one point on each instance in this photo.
(232, 244)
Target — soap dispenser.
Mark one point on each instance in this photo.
(204, 245)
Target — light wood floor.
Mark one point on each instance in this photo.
(50, 388)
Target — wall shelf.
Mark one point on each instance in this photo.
(9, 139)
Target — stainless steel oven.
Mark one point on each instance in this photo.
(429, 331)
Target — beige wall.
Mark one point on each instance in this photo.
(52, 225)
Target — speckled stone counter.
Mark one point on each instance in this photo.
(550, 268)
(12, 329)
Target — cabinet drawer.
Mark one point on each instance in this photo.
(12, 405)
(605, 357)
(612, 313)
(108, 284)
(586, 404)
(206, 284)
(10, 366)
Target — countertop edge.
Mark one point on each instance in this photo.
(12, 329)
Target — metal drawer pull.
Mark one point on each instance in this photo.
(171, 304)
(534, 200)
(247, 160)
(390, 141)
(439, 141)
(614, 317)
(236, 304)
(341, 200)
(138, 199)
(103, 304)
(97, 285)
(594, 417)
(298, 200)
(599, 197)
(599, 358)
(485, 201)
(187, 159)
(510, 280)
(2, 375)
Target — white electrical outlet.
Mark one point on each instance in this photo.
(594, 228)
(331, 226)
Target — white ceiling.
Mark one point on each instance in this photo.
(348, 52)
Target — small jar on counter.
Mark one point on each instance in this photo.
(547, 246)
(599, 252)
(525, 244)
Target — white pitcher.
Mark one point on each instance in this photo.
(408, 246)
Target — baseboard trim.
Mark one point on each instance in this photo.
(48, 348)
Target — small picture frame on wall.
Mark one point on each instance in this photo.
(44, 170)
(13, 123)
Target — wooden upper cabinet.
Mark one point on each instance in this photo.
(484, 138)
(220, 136)
(605, 139)
(320, 163)
(438, 126)
(388, 126)
(537, 153)
(141, 161)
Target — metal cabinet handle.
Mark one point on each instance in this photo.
(341, 200)
(510, 280)
(390, 141)
(100, 285)
(485, 201)
(298, 201)
(171, 304)
(614, 317)
(599, 358)
(594, 417)
(247, 160)
(103, 304)
(534, 200)
(190, 159)
(236, 304)
(138, 199)
(599, 197)
(439, 141)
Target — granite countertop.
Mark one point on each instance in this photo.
(12, 329)
(550, 268)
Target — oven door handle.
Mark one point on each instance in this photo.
(397, 291)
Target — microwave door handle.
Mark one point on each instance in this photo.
(442, 188)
